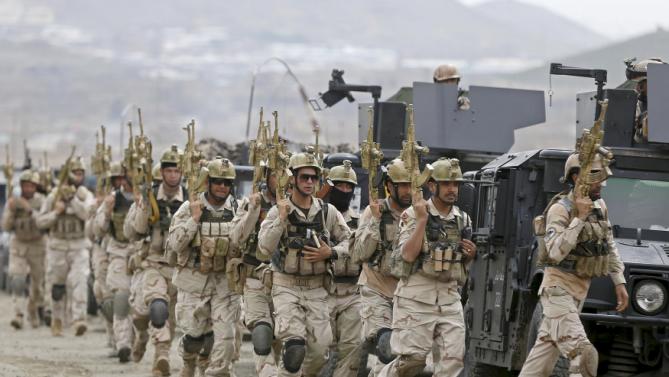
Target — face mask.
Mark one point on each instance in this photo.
(341, 200)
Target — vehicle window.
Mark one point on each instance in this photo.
(637, 203)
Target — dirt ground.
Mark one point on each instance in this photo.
(35, 353)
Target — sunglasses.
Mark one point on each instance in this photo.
(308, 177)
(221, 181)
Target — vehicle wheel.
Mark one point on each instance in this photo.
(476, 369)
(562, 366)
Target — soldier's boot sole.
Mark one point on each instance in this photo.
(80, 328)
(124, 354)
(56, 327)
(161, 367)
(17, 322)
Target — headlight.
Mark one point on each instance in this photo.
(650, 296)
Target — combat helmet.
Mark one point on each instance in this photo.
(397, 172)
(445, 72)
(343, 173)
(447, 169)
(305, 159)
(171, 156)
(29, 176)
(600, 170)
(637, 71)
(220, 168)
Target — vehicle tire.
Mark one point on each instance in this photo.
(476, 369)
(562, 366)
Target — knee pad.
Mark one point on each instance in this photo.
(121, 303)
(58, 292)
(589, 360)
(107, 308)
(158, 312)
(207, 344)
(383, 351)
(410, 365)
(19, 284)
(192, 344)
(293, 354)
(262, 337)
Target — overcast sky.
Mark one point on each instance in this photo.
(618, 19)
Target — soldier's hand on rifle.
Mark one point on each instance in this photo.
(254, 200)
(196, 210)
(23, 204)
(284, 208)
(317, 254)
(375, 207)
(583, 207)
(468, 248)
(419, 206)
(621, 297)
(59, 207)
(11, 204)
(109, 203)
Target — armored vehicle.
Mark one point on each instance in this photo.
(503, 312)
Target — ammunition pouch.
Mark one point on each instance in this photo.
(236, 273)
(343, 266)
(68, 227)
(381, 260)
(288, 258)
(117, 219)
(25, 228)
(214, 253)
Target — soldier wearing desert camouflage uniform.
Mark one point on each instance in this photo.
(67, 257)
(109, 221)
(344, 300)
(258, 307)
(301, 234)
(154, 296)
(431, 259)
(579, 245)
(373, 246)
(26, 251)
(207, 309)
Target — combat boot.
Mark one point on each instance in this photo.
(161, 359)
(124, 354)
(139, 346)
(33, 318)
(17, 322)
(79, 328)
(188, 370)
(56, 327)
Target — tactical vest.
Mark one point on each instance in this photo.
(68, 227)
(250, 249)
(119, 213)
(343, 268)
(211, 246)
(166, 209)
(25, 227)
(288, 258)
(440, 258)
(381, 259)
(590, 257)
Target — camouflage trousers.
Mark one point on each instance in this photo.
(420, 328)
(200, 313)
(346, 328)
(69, 268)
(151, 283)
(100, 264)
(258, 308)
(377, 313)
(118, 281)
(26, 259)
(560, 333)
(302, 313)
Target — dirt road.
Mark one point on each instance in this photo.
(35, 353)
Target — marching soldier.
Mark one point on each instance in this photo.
(579, 246)
(154, 296)
(299, 234)
(26, 251)
(109, 220)
(207, 309)
(344, 299)
(432, 258)
(258, 306)
(638, 72)
(67, 254)
(449, 74)
(100, 264)
(373, 247)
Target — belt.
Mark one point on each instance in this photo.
(346, 279)
(289, 281)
